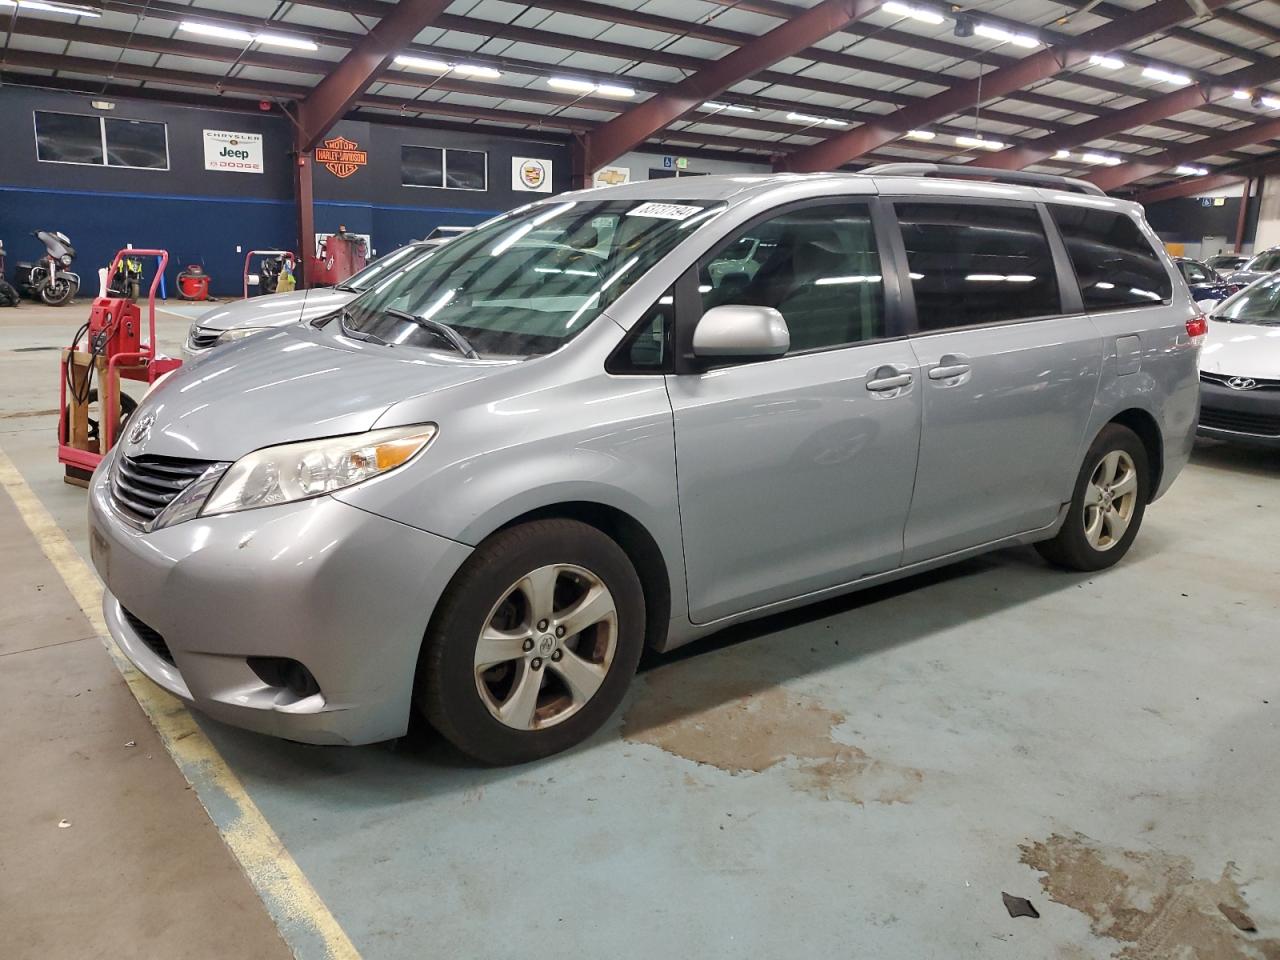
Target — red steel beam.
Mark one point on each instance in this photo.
(1139, 115)
(830, 154)
(341, 88)
(614, 138)
(1113, 177)
(1191, 186)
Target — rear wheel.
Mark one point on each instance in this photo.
(534, 643)
(1107, 506)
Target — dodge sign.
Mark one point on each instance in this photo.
(234, 152)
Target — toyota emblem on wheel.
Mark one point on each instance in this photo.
(1242, 383)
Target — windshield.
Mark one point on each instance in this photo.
(528, 282)
(1264, 262)
(383, 266)
(1259, 303)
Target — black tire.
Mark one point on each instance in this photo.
(127, 406)
(1071, 547)
(59, 292)
(447, 692)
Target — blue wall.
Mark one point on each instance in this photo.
(201, 216)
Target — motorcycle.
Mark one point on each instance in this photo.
(48, 279)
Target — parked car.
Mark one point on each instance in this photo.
(1259, 265)
(1240, 367)
(1203, 282)
(486, 485)
(1225, 264)
(244, 318)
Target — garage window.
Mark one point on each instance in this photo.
(1114, 262)
(975, 263)
(443, 168)
(99, 141)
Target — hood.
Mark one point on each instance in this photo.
(275, 310)
(1245, 277)
(1242, 350)
(292, 384)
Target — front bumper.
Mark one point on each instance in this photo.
(1240, 416)
(344, 592)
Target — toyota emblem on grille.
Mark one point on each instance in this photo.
(142, 429)
(1242, 383)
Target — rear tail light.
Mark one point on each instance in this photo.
(1197, 328)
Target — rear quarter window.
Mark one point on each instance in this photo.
(1115, 264)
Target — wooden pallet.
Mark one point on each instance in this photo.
(79, 363)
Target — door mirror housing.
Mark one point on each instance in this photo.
(741, 332)
(1206, 306)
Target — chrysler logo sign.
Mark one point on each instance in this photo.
(1242, 383)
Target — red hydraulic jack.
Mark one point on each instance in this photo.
(115, 350)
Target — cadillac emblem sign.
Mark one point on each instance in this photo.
(341, 157)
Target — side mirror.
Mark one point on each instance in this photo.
(741, 331)
(1206, 307)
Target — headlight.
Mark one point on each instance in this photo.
(66, 259)
(299, 471)
(239, 333)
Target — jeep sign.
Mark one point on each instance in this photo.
(233, 152)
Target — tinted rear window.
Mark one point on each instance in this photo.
(1114, 262)
(973, 263)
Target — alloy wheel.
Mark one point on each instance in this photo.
(546, 646)
(1110, 500)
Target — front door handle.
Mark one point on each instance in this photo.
(949, 365)
(889, 383)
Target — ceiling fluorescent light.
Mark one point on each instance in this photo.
(614, 90)
(422, 63)
(1187, 170)
(1166, 76)
(212, 30)
(474, 70)
(980, 142)
(806, 118)
(280, 40)
(1241, 94)
(1100, 159)
(573, 86)
(69, 10)
(1005, 36)
(1106, 60)
(1271, 103)
(921, 134)
(716, 107)
(923, 14)
(1062, 155)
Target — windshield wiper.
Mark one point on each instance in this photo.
(442, 330)
(348, 330)
(345, 288)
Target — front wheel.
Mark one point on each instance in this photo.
(59, 291)
(1107, 506)
(534, 642)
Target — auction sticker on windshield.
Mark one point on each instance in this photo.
(664, 211)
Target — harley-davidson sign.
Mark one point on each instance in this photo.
(341, 157)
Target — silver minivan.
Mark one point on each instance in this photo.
(486, 485)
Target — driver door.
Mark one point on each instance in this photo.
(795, 473)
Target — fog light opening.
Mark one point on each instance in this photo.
(285, 673)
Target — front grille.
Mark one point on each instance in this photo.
(1224, 380)
(155, 643)
(1258, 424)
(202, 338)
(141, 487)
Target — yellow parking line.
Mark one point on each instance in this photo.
(291, 900)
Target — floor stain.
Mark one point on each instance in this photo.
(692, 712)
(1152, 902)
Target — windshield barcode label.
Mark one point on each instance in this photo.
(664, 211)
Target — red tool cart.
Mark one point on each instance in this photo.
(113, 348)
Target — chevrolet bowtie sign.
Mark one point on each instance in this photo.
(341, 157)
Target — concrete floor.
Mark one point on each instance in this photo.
(862, 778)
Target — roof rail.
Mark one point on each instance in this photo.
(963, 171)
